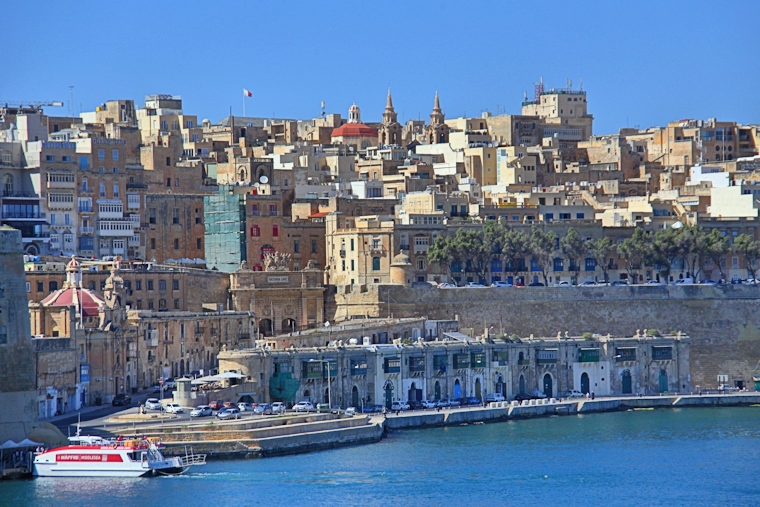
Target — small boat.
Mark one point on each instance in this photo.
(92, 456)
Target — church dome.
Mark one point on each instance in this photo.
(84, 299)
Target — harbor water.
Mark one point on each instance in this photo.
(690, 456)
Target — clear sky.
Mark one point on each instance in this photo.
(642, 63)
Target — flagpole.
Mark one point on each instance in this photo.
(243, 105)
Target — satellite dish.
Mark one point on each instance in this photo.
(256, 184)
(327, 324)
(264, 180)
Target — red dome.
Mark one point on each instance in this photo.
(354, 130)
(88, 301)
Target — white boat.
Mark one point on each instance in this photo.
(90, 456)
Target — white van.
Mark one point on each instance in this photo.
(494, 397)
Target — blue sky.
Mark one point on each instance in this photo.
(642, 63)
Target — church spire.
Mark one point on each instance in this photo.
(389, 115)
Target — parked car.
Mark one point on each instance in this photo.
(415, 405)
(442, 403)
(169, 384)
(216, 405)
(501, 284)
(399, 405)
(455, 402)
(574, 394)
(474, 284)
(372, 409)
(245, 407)
(121, 400)
(563, 284)
(174, 408)
(303, 406)
(153, 404)
(447, 285)
(589, 283)
(472, 400)
(619, 282)
(228, 413)
(494, 397)
(278, 407)
(350, 412)
(201, 411)
(428, 404)
(263, 408)
(536, 284)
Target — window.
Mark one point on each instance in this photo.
(102, 189)
(150, 284)
(559, 264)
(152, 215)
(40, 286)
(138, 284)
(275, 230)
(296, 248)
(175, 284)
(273, 210)
(175, 216)
(255, 231)
(101, 154)
(152, 243)
(198, 244)
(115, 190)
(168, 161)
(8, 185)
(176, 244)
(375, 263)
(162, 285)
(176, 304)
(590, 264)
(84, 162)
(313, 246)
(52, 286)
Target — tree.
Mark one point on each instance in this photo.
(470, 247)
(716, 248)
(692, 242)
(666, 248)
(515, 249)
(600, 249)
(442, 251)
(494, 236)
(574, 247)
(746, 246)
(542, 249)
(635, 251)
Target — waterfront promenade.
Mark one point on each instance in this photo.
(254, 437)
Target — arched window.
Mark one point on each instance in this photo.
(8, 185)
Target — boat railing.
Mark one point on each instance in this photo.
(191, 458)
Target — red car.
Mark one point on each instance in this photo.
(216, 405)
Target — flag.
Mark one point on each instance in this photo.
(247, 93)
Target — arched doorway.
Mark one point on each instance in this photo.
(265, 327)
(499, 384)
(414, 394)
(307, 394)
(355, 398)
(457, 389)
(521, 385)
(585, 383)
(388, 389)
(627, 384)
(289, 325)
(663, 381)
(548, 386)
(478, 394)
(437, 391)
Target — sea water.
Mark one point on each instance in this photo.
(690, 456)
